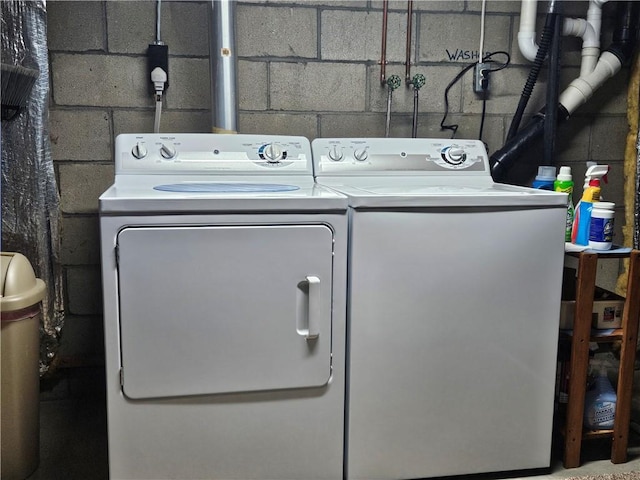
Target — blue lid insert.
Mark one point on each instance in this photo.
(220, 187)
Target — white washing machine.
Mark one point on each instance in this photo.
(224, 273)
(453, 309)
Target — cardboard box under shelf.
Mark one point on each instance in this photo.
(607, 310)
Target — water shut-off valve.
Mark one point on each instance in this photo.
(418, 81)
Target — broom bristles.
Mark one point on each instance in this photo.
(16, 82)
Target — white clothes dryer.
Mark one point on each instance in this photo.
(453, 308)
(224, 277)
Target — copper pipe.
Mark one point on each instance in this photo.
(383, 57)
(407, 66)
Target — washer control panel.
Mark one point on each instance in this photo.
(353, 156)
(209, 153)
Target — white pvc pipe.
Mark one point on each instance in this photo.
(590, 56)
(579, 27)
(582, 88)
(588, 29)
(575, 27)
(527, 33)
(595, 69)
(594, 15)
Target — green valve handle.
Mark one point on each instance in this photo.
(418, 81)
(393, 82)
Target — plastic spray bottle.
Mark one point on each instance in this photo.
(591, 189)
(564, 184)
(600, 401)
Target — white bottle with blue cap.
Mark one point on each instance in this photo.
(545, 178)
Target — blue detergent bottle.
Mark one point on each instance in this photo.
(600, 402)
(545, 178)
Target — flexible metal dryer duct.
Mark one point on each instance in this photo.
(223, 62)
(30, 201)
(579, 91)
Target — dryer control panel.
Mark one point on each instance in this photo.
(371, 156)
(193, 153)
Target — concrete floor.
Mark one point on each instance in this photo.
(74, 437)
(73, 427)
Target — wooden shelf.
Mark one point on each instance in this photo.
(579, 361)
(593, 434)
(614, 336)
(617, 334)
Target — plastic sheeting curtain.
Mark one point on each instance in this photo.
(30, 200)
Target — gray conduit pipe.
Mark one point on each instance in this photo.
(223, 61)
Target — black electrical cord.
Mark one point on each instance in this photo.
(486, 59)
(452, 127)
(484, 110)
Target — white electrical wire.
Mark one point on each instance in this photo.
(482, 15)
(156, 123)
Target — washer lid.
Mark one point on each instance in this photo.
(430, 194)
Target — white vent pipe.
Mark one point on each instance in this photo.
(583, 87)
(595, 69)
(588, 30)
(223, 61)
(527, 33)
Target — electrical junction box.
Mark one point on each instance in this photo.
(607, 310)
(481, 78)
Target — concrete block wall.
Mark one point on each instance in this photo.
(306, 67)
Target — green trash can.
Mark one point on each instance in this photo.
(20, 296)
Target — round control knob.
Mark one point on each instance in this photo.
(361, 154)
(139, 151)
(455, 155)
(335, 153)
(272, 153)
(168, 151)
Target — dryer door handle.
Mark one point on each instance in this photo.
(314, 308)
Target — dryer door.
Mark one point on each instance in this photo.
(218, 309)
